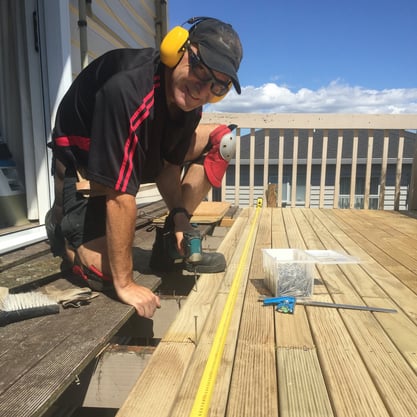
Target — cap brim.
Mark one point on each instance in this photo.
(220, 63)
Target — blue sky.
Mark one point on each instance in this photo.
(357, 56)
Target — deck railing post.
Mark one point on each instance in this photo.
(354, 148)
(412, 193)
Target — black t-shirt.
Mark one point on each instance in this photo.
(114, 123)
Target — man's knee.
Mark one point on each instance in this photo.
(222, 144)
(94, 278)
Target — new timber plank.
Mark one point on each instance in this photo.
(322, 361)
(399, 327)
(225, 305)
(401, 330)
(394, 378)
(397, 220)
(253, 388)
(389, 247)
(322, 236)
(396, 236)
(302, 388)
(385, 364)
(348, 382)
(155, 392)
(206, 212)
(357, 245)
(211, 208)
(350, 386)
(199, 301)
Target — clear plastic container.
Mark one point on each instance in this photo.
(289, 272)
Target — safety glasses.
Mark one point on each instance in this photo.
(205, 74)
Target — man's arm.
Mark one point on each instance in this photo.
(189, 192)
(120, 229)
(194, 187)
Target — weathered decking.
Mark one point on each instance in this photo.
(43, 360)
(318, 362)
(42, 357)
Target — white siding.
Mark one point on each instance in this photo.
(328, 196)
(390, 198)
(111, 25)
(258, 191)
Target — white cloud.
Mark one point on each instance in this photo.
(334, 98)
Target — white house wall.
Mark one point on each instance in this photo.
(112, 25)
(53, 60)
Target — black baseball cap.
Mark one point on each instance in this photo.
(219, 46)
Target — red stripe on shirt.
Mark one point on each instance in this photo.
(138, 117)
(79, 141)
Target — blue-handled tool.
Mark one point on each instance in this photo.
(192, 246)
(287, 305)
(283, 304)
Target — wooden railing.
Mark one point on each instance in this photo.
(351, 161)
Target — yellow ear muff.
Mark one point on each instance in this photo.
(173, 46)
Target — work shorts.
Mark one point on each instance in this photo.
(84, 218)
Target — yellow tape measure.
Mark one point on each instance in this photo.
(202, 400)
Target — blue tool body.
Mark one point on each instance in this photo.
(192, 246)
(283, 304)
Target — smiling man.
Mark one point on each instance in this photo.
(131, 117)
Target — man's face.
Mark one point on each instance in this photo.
(192, 83)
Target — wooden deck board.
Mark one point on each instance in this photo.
(377, 269)
(206, 212)
(254, 376)
(162, 380)
(59, 358)
(400, 329)
(350, 386)
(329, 330)
(391, 374)
(41, 357)
(318, 361)
(237, 269)
(302, 388)
(180, 337)
(390, 249)
(387, 366)
(200, 300)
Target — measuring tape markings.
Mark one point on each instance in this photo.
(202, 400)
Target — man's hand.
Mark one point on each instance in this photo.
(120, 222)
(142, 298)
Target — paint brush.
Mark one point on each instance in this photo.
(18, 307)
